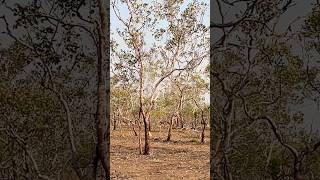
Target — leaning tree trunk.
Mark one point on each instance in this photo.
(103, 91)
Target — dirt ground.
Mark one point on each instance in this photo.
(182, 158)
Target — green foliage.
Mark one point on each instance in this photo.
(258, 74)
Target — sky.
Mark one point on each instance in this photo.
(124, 13)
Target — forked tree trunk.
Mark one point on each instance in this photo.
(142, 113)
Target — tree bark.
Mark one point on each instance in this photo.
(203, 129)
(296, 171)
(140, 147)
(195, 123)
(181, 121)
(170, 129)
(114, 122)
(146, 136)
(133, 129)
(149, 125)
(103, 91)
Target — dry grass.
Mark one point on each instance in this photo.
(183, 158)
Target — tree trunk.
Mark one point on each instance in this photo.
(297, 175)
(227, 174)
(170, 129)
(195, 124)
(296, 171)
(103, 91)
(114, 122)
(140, 147)
(181, 122)
(203, 126)
(146, 136)
(134, 130)
(149, 125)
(177, 123)
(227, 140)
(75, 156)
(202, 133)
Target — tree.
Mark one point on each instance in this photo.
(103, 92)
(181, 46)
(258, 81)
(58, 63)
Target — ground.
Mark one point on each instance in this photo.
(183, 158)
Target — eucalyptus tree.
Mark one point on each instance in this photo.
(258, 79)
(161, 40)
(198, 87)
(52, 35)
